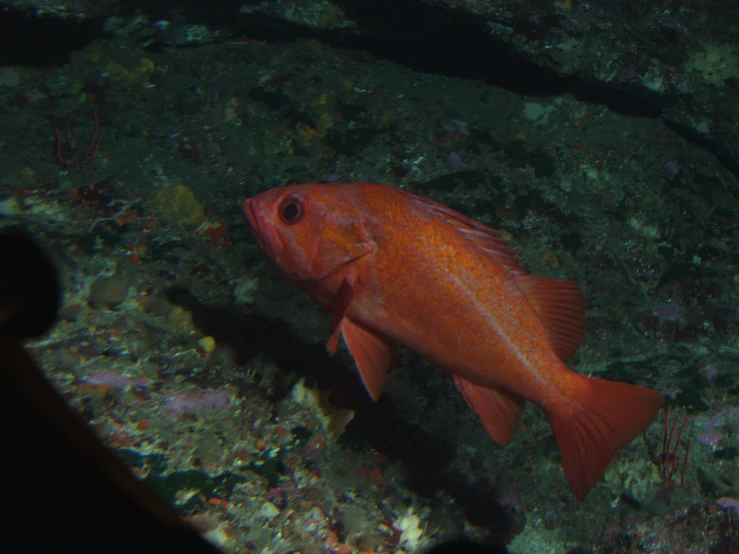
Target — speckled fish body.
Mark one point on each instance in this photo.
(394, 267)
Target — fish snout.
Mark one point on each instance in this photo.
(253, 219)
(262, 230)
(247, 208)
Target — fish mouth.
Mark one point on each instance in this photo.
(260, 229)
(253, 220)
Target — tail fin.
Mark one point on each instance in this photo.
(604, 416)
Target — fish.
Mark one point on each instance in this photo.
(393, 267)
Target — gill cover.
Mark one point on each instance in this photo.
(309, 231)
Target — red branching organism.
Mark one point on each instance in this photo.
(66, 154)
(670, 459)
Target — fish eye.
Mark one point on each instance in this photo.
(291, 210)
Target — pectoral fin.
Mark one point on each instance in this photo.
(373, 353)
(498, 410)
(341, 305)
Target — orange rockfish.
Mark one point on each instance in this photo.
(394, 267)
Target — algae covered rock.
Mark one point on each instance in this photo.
(108, 291)
(177, 205)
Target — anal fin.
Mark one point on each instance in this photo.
(499, 411)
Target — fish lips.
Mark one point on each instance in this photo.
(269, 243)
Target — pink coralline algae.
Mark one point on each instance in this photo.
(455, 161)
(728, 503)
(668, 313)
(712, 433)
(187, 402)
(115, 380)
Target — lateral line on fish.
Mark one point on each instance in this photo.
(492, 325)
